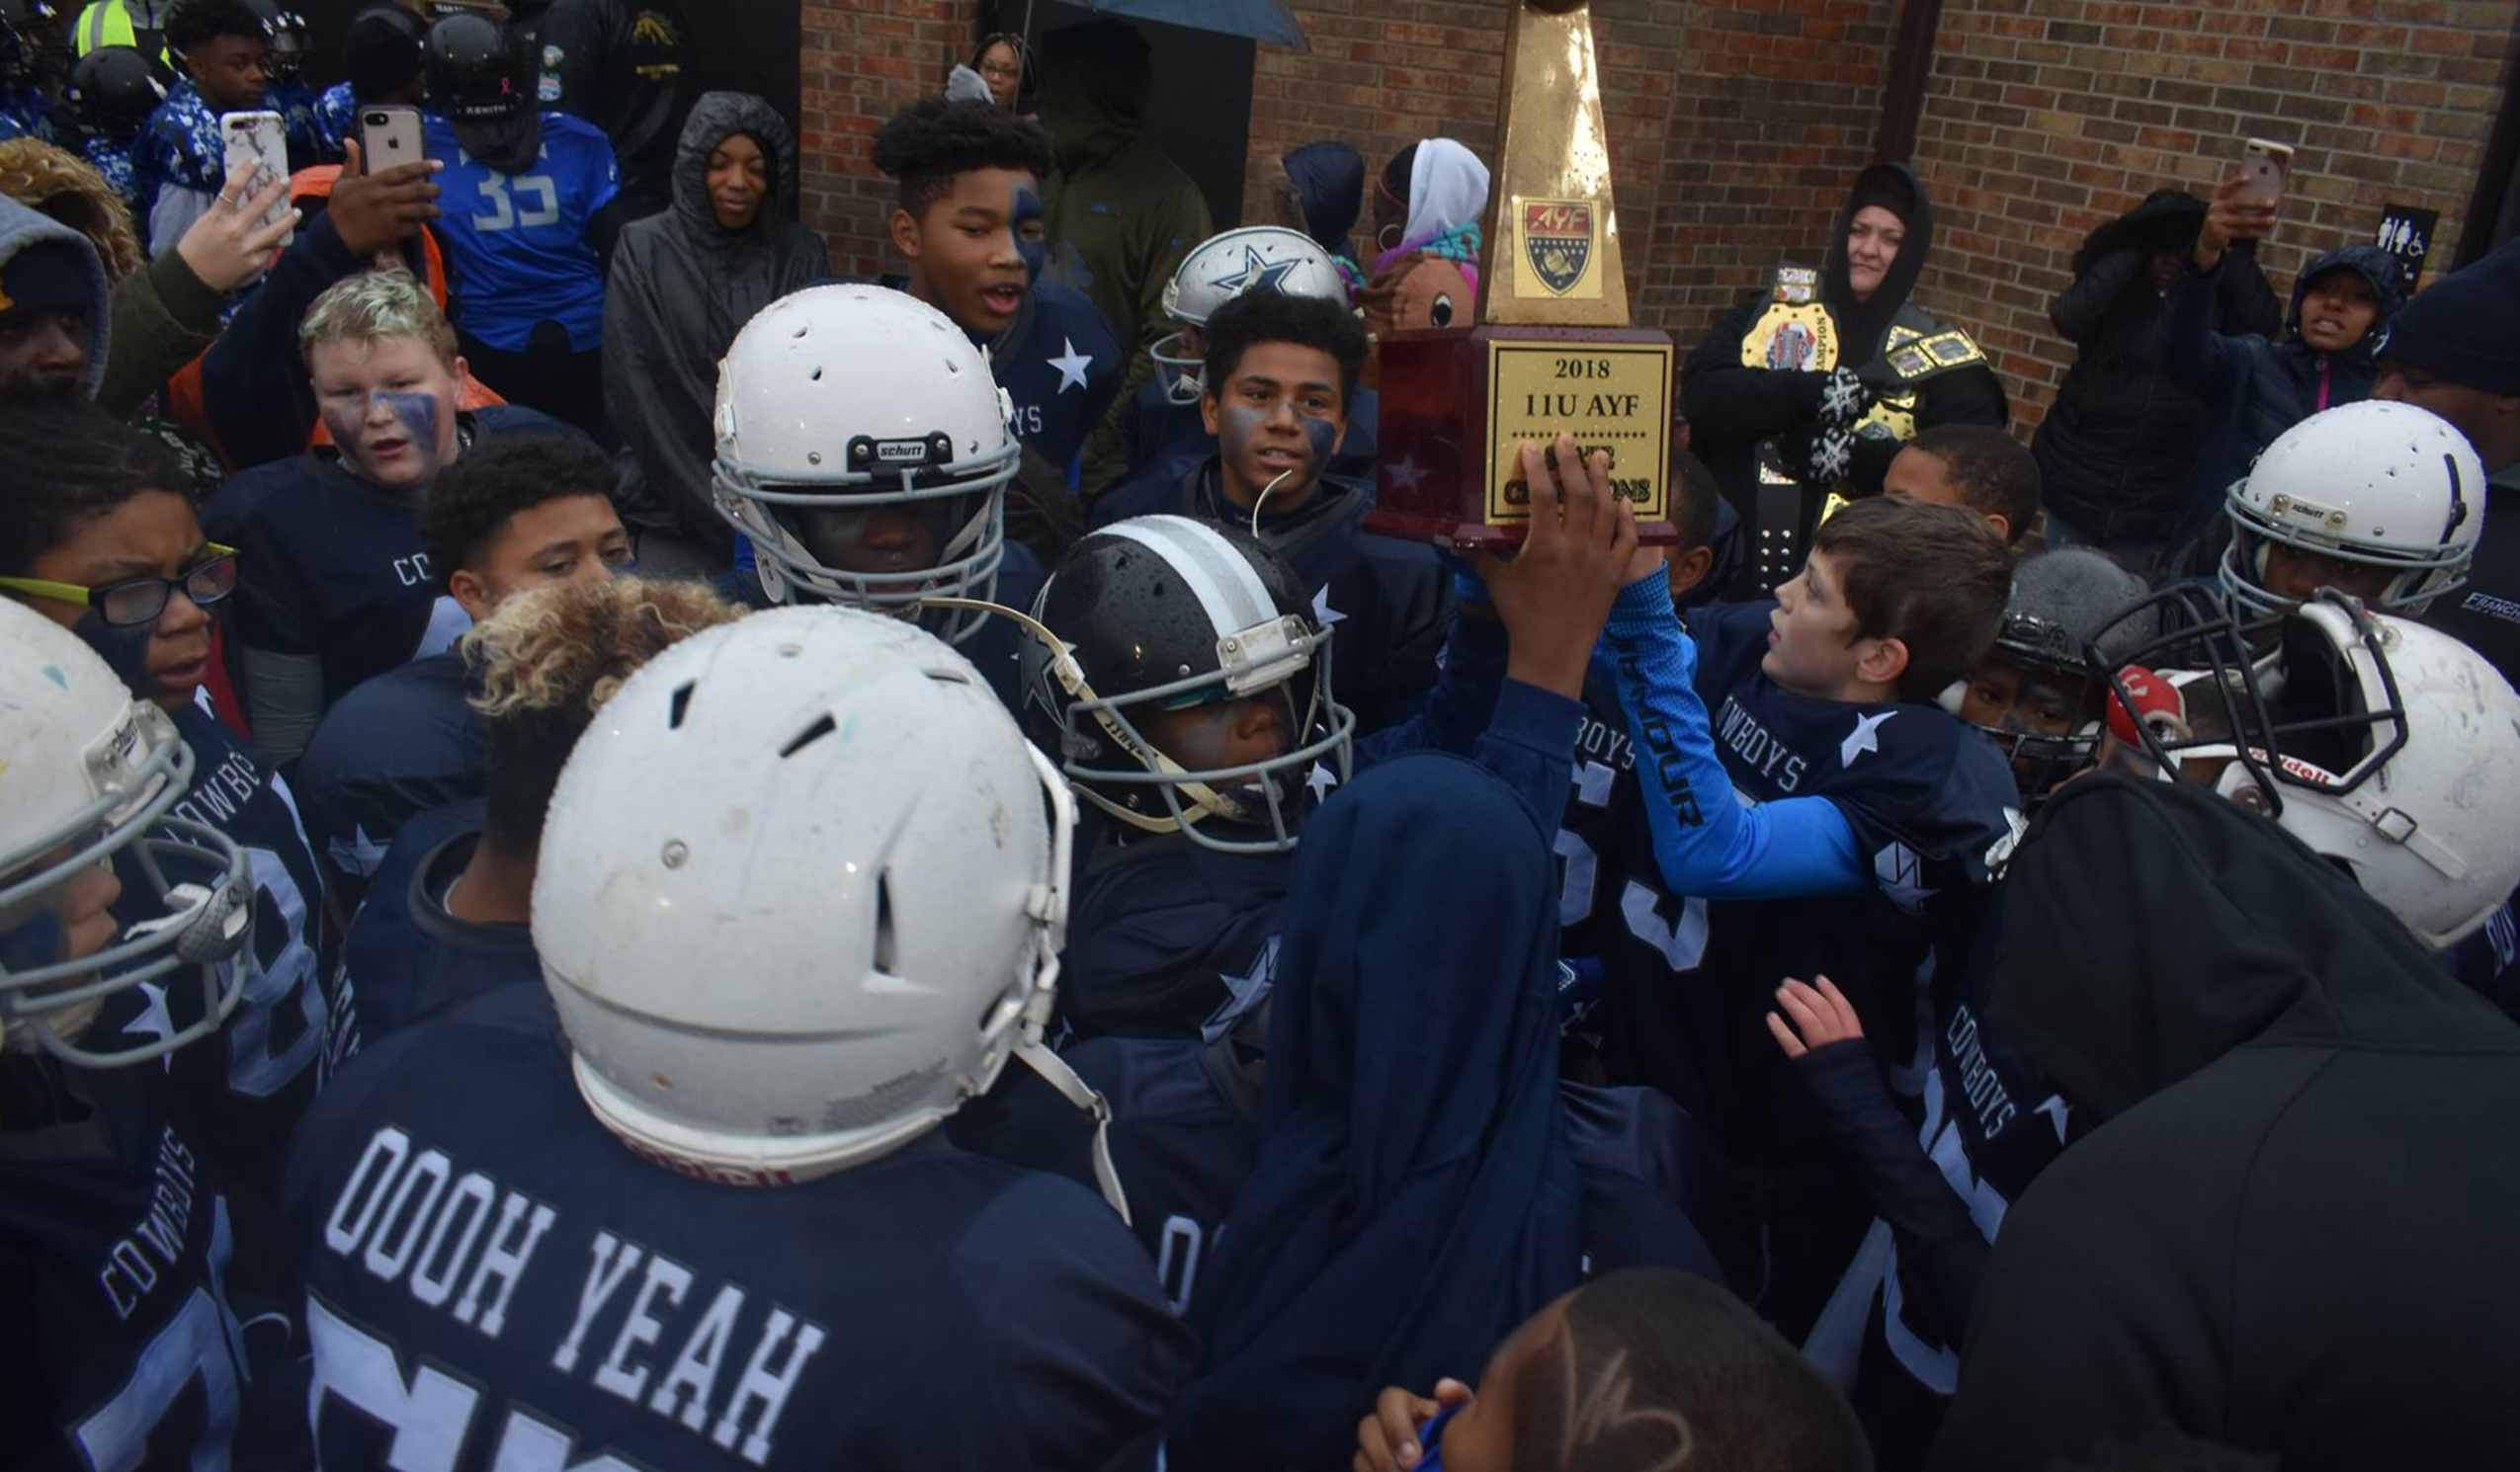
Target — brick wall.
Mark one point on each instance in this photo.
(2045, 118)
(859, 62)
(1735, 123)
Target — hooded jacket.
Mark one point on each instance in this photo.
(1731, 407)
(2291, 1229)
(2260, 388)
(2118, 450)
(20, 227)
(1120, 216)
(1415, 1198)
(682, 287)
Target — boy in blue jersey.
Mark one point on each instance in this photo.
(698, 1210)
(337, 585)
(969, 224)
(1826, 818)
(1281, 373)
(112, 93)
(182, 158)
(123, 1256)
(100, 537)
(445, 919)
(529, 226)
(523, 510)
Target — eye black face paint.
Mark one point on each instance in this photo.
(1026, 214)
(419, 414)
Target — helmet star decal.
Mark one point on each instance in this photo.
(1256, 273)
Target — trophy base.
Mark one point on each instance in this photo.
(1458, 402)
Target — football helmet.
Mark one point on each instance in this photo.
(113, 90)
(30, 33)
(1164, 614)
(287, 31)
(91, 776)
(863, 446)
(471, 69)
(1256, 258)
(2382, 744)
(2061, 602)
(2384, 484)
(840, 795)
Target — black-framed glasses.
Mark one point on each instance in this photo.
(130, 603)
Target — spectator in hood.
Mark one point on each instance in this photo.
(2342, 305)
(1428, 202)
(1119, 216)
(53, 330)
(1319, 189)
(683, 284)
(2287, 1227)
(2117, 451)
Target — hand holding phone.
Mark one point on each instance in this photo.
(2265, 169)
(259, 141)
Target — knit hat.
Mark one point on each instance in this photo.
(1888, 188)
(46, 276)
(2466, 327)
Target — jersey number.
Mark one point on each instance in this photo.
(1683, 943)
(539, 195)
(431, 1412)
(201, 1342)
(288, 972)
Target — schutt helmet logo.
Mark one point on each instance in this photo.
(1557, 239)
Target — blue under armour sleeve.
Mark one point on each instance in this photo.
(1705, 843)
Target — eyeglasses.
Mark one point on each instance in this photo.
(1001, 73)
(135, 601)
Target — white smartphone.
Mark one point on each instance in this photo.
(390, 137)
(260, 141)
(2266, 168)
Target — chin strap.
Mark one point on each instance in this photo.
(1055, 1072)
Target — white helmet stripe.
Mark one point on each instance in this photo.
(1219, 575)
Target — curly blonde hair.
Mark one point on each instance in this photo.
(563, 650)
(67, 188)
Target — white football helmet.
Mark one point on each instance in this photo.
(2386, 746)
(2380, 483)
(90, 771)
(1256, 258)
(864, 447)
(802, 893)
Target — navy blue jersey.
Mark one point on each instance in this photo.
(116, 1251)
(332, 565)
(406, 741)
(1386, 602)
(1159, 432)
(242, 1091)
(1186, 1125)
(489, 1268)
(408, 958)
(996, 648)
(1061, 367)
(1166, 939)
(1928, 800)
(517, 248)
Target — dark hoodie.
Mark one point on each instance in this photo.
(1415, 1198)
(1120, 216)
(682, 287)
(2117, 451)
(2260, 388)
(1731, 407)
(2290, 1230)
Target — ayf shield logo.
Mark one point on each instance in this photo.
(1557, 236)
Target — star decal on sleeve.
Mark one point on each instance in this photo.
(1321, 781)
(1323, 612)
(1862, 738)
(1071, 365)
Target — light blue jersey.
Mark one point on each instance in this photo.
(517, 245)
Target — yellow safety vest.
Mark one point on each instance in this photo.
(108, 23)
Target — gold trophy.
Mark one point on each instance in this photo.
(1553, 351)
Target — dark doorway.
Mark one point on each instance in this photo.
(1200, 111)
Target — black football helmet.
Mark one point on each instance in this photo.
(472, 71)
(1167, 613)
(29, 33)
(287, 31)
(2063, 601)
(113, 90)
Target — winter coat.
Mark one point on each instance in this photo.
(2261, 388)
(2289, 1229)
(681, 287)
(2118, 450)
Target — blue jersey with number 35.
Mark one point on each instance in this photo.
(517, 245)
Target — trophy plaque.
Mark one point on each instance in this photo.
(1553, 351)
